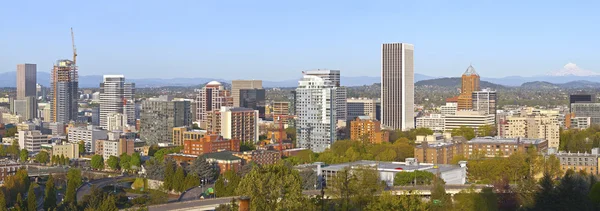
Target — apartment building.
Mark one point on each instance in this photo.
(576, 161)
(364, 128)
(69, 150)
(32, 140)
(538, 126)
(260, 157)
(210, 143)
(88, 135)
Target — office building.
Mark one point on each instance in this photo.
(449, 109)
(397, 86)
(470, 84)
(116, 97)
(159, 117)
(592, 110)
(26, 102)
(361, 107)
(69, 150)
(32, 140)
(253, 99)
(57, 128)
(580, 122)
(180, 134)
(209, 144)
(211, 97)
(316, 114)
(116, 121)
(237, 85)
(434, 122)
(89, 135)
(484, 100)
(25, 107)
(536, 126)
(239, 123)
(368, 130)
(580, 98)
(472, 119)
(340, 95)
(64, 92)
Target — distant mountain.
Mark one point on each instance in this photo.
(539, 85)
(571, 69)
(455, 83)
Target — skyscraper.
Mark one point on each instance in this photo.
(334, 76)
(397, 86)
(26, 102)
(470, 84)
(254, 99)
(236, 85)
(159, 116)
(116, 96)
(211, 97)
(315, 109)
(484, 100)
(64, 91)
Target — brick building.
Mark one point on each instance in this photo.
(364, 127)
(260, 157)
(209, 144)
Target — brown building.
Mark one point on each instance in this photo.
(363, 127)
(444, 152)
(213, 122)
(260, 157)
(180, 158)
(211, 97)
(586, 162)
(281, 108)
(210, 144)
(224, 160)
(180, 134)
(99, 147)
(470, 83)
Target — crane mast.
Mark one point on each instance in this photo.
(74, 49)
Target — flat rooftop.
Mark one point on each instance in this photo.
(393, 166)
(498, 140)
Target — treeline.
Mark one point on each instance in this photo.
(575, 140)
(177, 178)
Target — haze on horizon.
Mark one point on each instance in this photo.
(275, 40)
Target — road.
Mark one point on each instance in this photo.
(194, 193)
(100, 183)
(206, 204)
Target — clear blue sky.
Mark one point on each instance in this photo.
(276, 40)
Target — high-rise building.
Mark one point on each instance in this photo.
(533, 126)
(211, 97)
(590, 109)
(239, 123)
(116, 96)
(316, 114)
(470, 84)
(26, 102)
(367, 129)
(281, 108)
(159, 117)
(361, 107)
(484, 100)
(397, 86)
(64, 91)
(253, 99)
(237, 85)
(334, 76)
(89, 135)
(26, 107)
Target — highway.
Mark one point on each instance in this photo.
(100, 183)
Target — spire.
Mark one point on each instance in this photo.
(470, 71)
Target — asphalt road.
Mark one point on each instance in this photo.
(100, 183)
(194, 193)
(191, 205)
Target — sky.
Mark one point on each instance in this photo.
(276, 40)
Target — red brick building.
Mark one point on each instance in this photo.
(260, 157)
(224, 160)
(210, 144)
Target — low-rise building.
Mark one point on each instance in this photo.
(89, 135)
(364, 128)
(260, 157)
(8, 168)
(434, 122)
(210, 144)
(224, 160)
(576, 161)
(69, 150)
(32, 140)
(472, 119)
(580, 122)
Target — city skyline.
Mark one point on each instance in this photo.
(203, 43)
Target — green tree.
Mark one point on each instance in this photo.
(407, 201)
(11, 132)
(50, 194)
(97, 162)
(409, 178)
(13, 149)
(73, 182)
(3, 150)
(486, 130)
(179, 180)
(368, 180)
(227, 183)
(125, 161)
(464, 131)
(81, 145)
(24, 155)
(267, 193)
(136, 160)
(169, 182)
(247, 146)
(113, 162)
(552, 167)
(471, 200)
(19, 204)
(309, 179)
(31, 199)
(3, 205)
(343, 186)
(203, 169)
(191, 180)
(439, 198)
(109, 204)
(62, 159)
(42, 157)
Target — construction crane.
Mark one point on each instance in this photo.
(74, 49)
(282, 134)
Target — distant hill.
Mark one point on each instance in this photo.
(455, 83)
(539, 85)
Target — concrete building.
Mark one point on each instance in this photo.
(211, 97)
(116, 121)
(451, 174)
(117, 147)
(57, 128)
(237, 85)
(260, 157)
(64, 92)
(8, 168)
(397, 86)
(361, 107)
(8, 118)
(449, 109)
(280, 108)
(159, 117)
(69, 150)
(116, 96)
(367, 129)
(32, 140)
(316, 113)
(576, 161)
(533, 126)
(434, 122)
(580, 98)
(89, 135)
(484, 100)
(180, 134)
(473, 119)
(210, 144)
(239, 123)
(592, 110)
(580, 122)
(340, 95)
(470, 84)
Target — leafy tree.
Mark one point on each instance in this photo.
(227, 183)
(50, 194)
(3, 151)
(247, 146)
(81, 145)
(169, 181)
(13, 149)
(19, 205)
(24, 155)
(179, 180)
(486, 130)
(62, 160)
(195, 126)
(203, 169)
(11, 132)
(546, 196)
(439, 198)
(191, 180)
(309, 179)
(109, 204)
(97, 162)
(266, 193)
(3, 205)
(73, 182)
(152, 150)
(42, 157)
(464, 131)
(125, 161)
(113, 162)
(155, 169)
(94, 200)
(471, 200)
(408, 178)
(136, 160)
(355, 187)
(552, 166)
(407, 201)
(595, 195)
(31, 199)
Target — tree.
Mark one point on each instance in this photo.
(13, 149)
(552, 166)
(227, 183)
(11, 132)
(42, 157)
(409, 178)
(113, 162)
(169, 182)
(3, 151)
(136, 160)
(439, 198)
(406, 201)
(595, 195)
(125, 161)
(309, 179)
(109, 204)
(179, 180)
(24, 155)
(267, 193)
(191, 180)
(19, 205)
(81, 147)
(73, 182)
(155, 169)
(97, 162)
(203, 169)
(464, 131)
(152, 150)
(31, 199)
(50, 194)
(471, 200)
(368, 181)
(62, 159)
(546, 196)
(486, 130)
(247, 146)
(3, 205)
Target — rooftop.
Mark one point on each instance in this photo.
(393, 166)
(224, 155)
(470, 71)
(499, 140)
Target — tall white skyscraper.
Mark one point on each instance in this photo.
(316, 111)
(334, 77)
(397, 86)
(116, 96)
